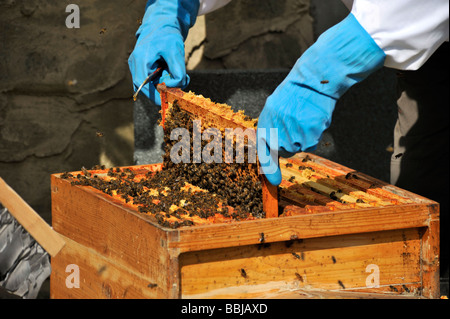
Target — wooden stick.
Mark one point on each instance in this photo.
(50, 240)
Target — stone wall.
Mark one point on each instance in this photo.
(251, 34)
(65, 94)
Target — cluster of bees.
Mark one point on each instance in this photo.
(237, 184)
(226, 191)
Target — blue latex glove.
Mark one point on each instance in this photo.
(301, 107)
(160, 42)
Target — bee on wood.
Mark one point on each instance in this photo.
(315, 190)
(333, 259)
(307, 158)
(341, 284)
(299, 277)
(98, 167)
(243, 273)
(101, 269)
(66, 175)
(261, 238)
(292, 179)
(333, 196)
(85, 171)
(392, 288)
(288, 164)
(152, 285)
(296, 255)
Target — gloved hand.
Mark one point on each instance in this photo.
(301, 107)
(160, 42)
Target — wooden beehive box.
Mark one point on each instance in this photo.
(340, 234)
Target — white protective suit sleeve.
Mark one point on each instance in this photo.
(207, 6)
(408, 31)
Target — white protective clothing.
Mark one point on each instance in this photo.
(408, 31)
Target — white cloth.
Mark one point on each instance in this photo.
(408, 31)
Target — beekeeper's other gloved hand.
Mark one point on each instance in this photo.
(301, 106)
(160, 42)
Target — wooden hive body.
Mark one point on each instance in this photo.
(367, 239)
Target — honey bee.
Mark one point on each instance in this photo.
(392, 288)
(85, 171)
(307, 158)
(66, 175)
(261, 238)
(324, 82)
(333, 196)
(99, 134)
